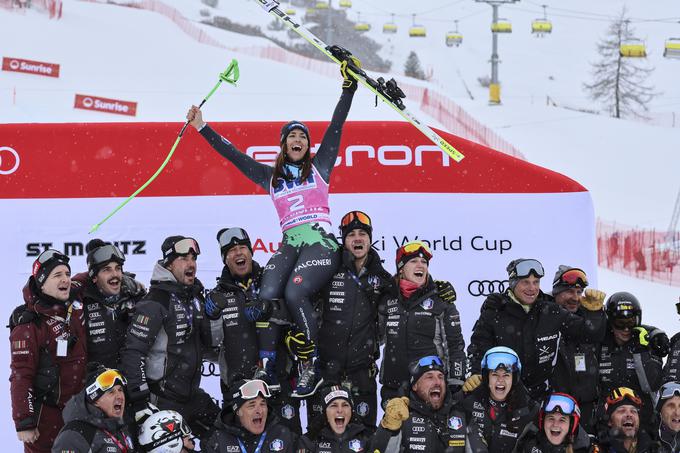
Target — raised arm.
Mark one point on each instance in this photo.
(260, 174)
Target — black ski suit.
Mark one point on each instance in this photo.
(671, 371)
(534, 336)
(533, 440)
(355, 438)
(307, 258)
(228, 436)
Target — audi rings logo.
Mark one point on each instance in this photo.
(8, 165)
(88, 102)
(486, 287)
(209, 369)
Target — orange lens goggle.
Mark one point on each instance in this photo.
(415, 246)
(619, 394)
(108, 379)
(574, 277)
(355, 215)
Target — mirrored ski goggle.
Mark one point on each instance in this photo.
(233, 236)
(252, 389)
(430, 361)
(669, 390)
(104, 254)
(46, 256)
(624, 323)
(563, 403)
(619, 394)
(413, 247)
(573, 277)
(184, 247)
(352, 216)
(105, 382)
(497, 360)
(526, 267)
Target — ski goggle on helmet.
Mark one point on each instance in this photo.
(231, 237)
(565, 405)
(104, 382)
(618, 397)
(353, 220)
(501, 357)
(249, 390)
(411, 250)
(104, 254)
(667, 391)
(572, 278)
(523, 268)
(163, 432)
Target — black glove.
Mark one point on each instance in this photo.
(659, 343)
(214, 304)
(299, 345)
(132, 287)
(445, 291)
(258, 310)
(142, 410)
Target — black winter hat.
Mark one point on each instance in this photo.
(334, 392)
(560, 284)
(423, 365)
(231, 237)
(45, 264)
(290, 127)
(99, 254)
(94, 389)
(244, 390)
(354, 220)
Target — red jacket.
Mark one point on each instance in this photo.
(28, 339)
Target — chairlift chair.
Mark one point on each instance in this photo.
(672, 48)
(361, 26)
(501, 26)
(633, 49)
(417, 31)
(390, 27)
(541, 26)
(454, 38)
(321, 5)
(345, 3)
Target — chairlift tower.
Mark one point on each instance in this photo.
(495, 86)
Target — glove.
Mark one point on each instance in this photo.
(298, 345)
(143, 410)
(258, 310)
(659, 343)
(132, 287)
(472, 383)
(395, 413)
(214, 304)
(445, 291)
(348, 81)
(592, 299)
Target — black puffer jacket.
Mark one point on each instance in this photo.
(534, 336)
(109, 435)
(228, 432)
(534, 440)
(348, 334)
(355, 438)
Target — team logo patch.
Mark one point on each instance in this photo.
(355, 445)
(143, 320)
(287, 412)
(455, 423)
(297, 279)
(374, 281)
(363, 409)
(427, 304)
(76, 305)
(276, 445)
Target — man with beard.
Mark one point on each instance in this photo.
(164, 344)
(109, 296)
(668, 410)
(240, 358)
(428, 420)
(622, 408)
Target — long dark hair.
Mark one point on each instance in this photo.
(281, 161)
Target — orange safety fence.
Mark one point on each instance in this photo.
(646, 254)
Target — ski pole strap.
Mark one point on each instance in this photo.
(229, 75)
(641, 375)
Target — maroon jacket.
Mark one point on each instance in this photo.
(29, 339)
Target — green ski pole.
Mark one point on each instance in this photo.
(229, 75)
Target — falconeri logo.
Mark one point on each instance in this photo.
(9, 160)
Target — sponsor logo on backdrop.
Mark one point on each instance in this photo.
(386, 155)
(447, 243)
(100, 104)
(9, 160)
(209, 369)
(486, 287)
(78, 248)
(30, 67)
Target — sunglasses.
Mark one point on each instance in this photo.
(351, 216)
(232, 236)
(104, 254)
(669, 390)
(252, 389)
(496, 360)
(572, 277)
(624, 323)
(526, 267)
(184, 247)
(619, 394)
(561, 402)
(105, 382)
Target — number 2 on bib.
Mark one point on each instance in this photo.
(296, 202)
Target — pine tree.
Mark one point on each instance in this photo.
(619, 82)
(412, 67)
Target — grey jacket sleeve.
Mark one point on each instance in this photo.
(324, 160)
(70, 441)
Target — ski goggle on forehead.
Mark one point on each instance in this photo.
(497, 360)
(105, 382)
(106, 253)
(252, 389)
(416, 246)
(669, 390)
(560, 402)
(184, 247)
(526, 267)
(619, 394)
(355, 215)
(233, 236)
(572, 277)
(427, 361)
(46, 256)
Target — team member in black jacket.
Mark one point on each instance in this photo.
(430, 419)
(238, 336)
(338, 430)
(163, 348)
(109, 297)
(671, 371)
(624, 433)
(631, 354)
(576, 371)
(499, 409)
(247, 426)
(418, 323)
(668, 410)
(348, 335)
(525, 319)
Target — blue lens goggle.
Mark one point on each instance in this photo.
(497, 360)
(561, 403)
(430, 360)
